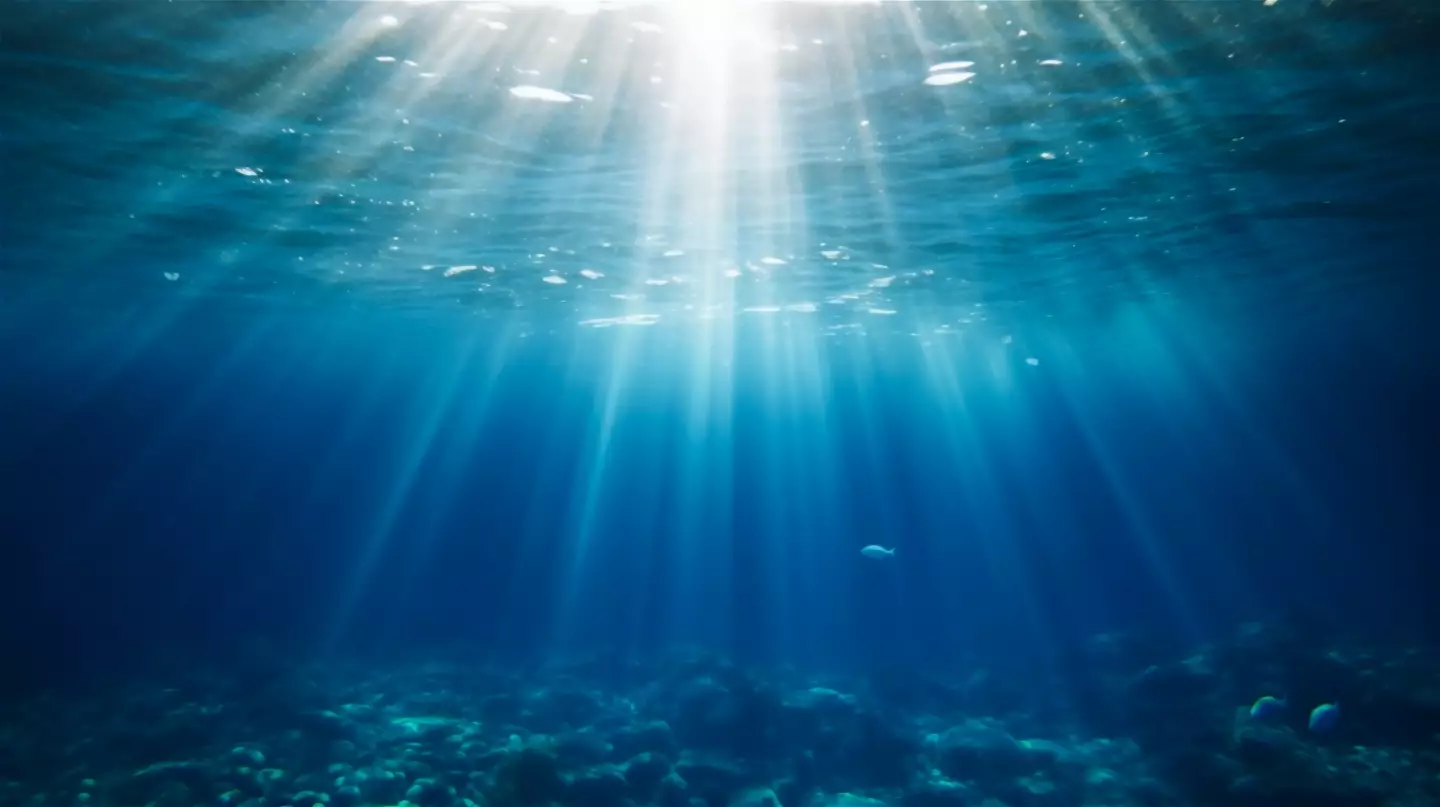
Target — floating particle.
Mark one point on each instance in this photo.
(554, 280)
(458, 270)
(946, 79)
(591, 274)
(384, 58)
(533, 93)
(773, 261)
(632, 319)
(1051, 62)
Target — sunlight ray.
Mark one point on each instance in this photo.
(422, 425)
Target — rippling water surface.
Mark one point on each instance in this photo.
(929, 166)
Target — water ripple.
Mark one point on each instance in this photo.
(295, 151)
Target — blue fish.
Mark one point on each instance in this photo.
(1324, 717)
(1266, 707)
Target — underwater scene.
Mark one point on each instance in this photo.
(720, 403)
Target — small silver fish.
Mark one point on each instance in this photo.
(1266, 707)
(874, 551)
(1324, 717)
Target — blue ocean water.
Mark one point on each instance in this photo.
(341, 337)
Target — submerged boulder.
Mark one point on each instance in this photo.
(982, 750)
(599, 786)
(529, 776)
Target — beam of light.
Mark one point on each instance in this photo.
(699, 166)
(1128, 37)
(720, 144)
(427, 414)
(357, 34)
(804, 488)
(773, 588)
(438, 49)
(966, 446)
(1190, 116)
(689, 209)
(143, 327)
(480, 368)
(857, 61)
(1137, 516)
(706, 459)
(1181, 366)
(1195, 361)
(591, 487)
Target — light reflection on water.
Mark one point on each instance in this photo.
(931, 168)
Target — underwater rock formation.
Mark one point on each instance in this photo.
(1144, 727)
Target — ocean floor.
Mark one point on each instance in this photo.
(1112, 723)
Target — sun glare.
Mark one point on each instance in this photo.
(714, 31)
(702, 115)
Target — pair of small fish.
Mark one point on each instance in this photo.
(1322, 717)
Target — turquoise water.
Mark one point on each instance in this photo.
(719, 405)
(647, 165)
(1108, 313)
